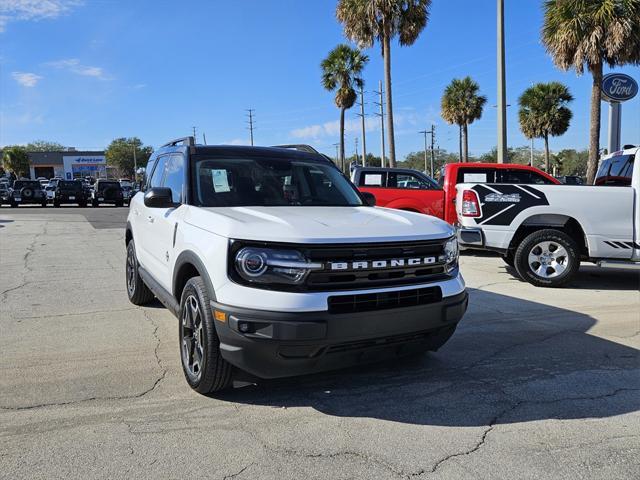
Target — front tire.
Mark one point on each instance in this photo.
(204, 368)
(137, 290)
(547, 258)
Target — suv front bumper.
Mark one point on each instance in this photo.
(282, 344)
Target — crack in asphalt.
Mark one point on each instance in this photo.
(155, 385)
(25, 263)
(493, 423)
(234, 475)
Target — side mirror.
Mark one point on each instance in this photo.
(368, 198)
(158, 197)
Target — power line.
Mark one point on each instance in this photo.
(380, 104)
(361, 115)
(250, 122)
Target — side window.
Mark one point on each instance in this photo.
(615, 171)
(158, 172)
(538, 179)
(373, 179)
(476, 175)
(147, 174)
(174, 176)
(407, 181)
(514, 176)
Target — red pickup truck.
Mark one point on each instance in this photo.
(414, 191)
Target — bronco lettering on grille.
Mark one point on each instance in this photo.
(374, 264)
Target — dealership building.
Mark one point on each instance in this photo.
(69, 164)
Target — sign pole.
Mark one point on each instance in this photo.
(615, 116)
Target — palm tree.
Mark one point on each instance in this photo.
(366, 21)
(341, 72)
(590, 33)
(543, 112)
(16, 160)
(462, 105)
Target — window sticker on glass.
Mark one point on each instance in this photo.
(220, 181)
(373, 179)
(475, 177)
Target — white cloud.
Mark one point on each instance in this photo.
(353, 126)
(26, 79)
(73, 65)
(13, 10)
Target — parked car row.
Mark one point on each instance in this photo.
(58, 192)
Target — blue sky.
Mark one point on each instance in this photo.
(85, 72)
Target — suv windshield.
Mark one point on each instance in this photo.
(270, 182)
(69, 185)
(615, 171)
(18, 184)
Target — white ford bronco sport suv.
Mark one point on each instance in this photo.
(276, 265)
(544, 231)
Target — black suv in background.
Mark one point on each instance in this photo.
(69, 191)
(27, 191)
(107, 191)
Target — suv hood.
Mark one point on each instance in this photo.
(318, 224)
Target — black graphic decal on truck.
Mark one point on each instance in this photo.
(500, 204)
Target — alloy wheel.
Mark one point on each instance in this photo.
(192, 337)
(548, 259)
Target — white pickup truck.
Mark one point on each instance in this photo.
(544, 231)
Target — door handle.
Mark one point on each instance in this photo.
(150, 219)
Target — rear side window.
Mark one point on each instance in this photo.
(616, 171)
(373, 179)
(476, 175)
(521, 176)
(408, 181)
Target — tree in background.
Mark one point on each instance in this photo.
(543, 112)
(372, 160)
(341, 70)
(45, 146)
(462, 105)
(573, 162)
(368, 21)
(590, 33)
(16, 160)
(120, 153)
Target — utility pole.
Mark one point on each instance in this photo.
(135, 164)
(381, 115)
(431, 132)
(424, 132)
(502, 94)
(356, 141)
(364, 139)
(204, 138)
(337, 145)
(250, 122)
(194, 133)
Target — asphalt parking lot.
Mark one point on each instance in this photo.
(536, 383)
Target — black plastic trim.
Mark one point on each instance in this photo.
(161, 294)
(188, 256)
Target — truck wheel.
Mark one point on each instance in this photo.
(547, 258)
(204, 368)
(138, 292)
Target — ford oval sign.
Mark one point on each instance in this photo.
(618, 87)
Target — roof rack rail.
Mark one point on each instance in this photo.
(299, 147)
(188, 141)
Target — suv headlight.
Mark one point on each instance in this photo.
(268, 265)
(451, 253)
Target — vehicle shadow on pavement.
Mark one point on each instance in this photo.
(511, 360)
(4, 221)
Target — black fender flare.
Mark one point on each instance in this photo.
(189, 257)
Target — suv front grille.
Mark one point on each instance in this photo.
(366, 302)
(360, 265)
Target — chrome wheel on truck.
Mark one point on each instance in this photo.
(547, 258)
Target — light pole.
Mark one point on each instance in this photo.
(502, 94)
